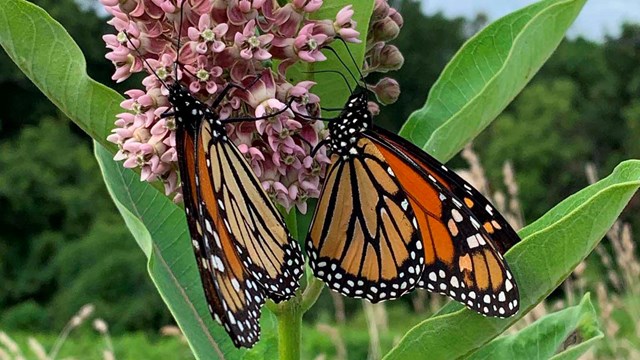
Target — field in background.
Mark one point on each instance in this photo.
(611, 274)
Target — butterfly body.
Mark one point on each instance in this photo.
(425, 226)
(353, 120)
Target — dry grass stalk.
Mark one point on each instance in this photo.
(606, 261)
(516, 217)
(510, 208)
(591, 173)
(4, 355)
(108, 355)
(78, 319)
(418, 300)
(170, 330)
(610, 327)
(336, 339)
(102, 327)
(338, 305)
(436, 301)
(9, 344)
(625, 250)
(569, 290)
(37, 349)
(476, 171)
(375, 351)
(15, 353)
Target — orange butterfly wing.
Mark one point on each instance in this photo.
(234, 299)
(503, 235)
(243, 251)
(461, 256)
(363, 240)
(255, 226)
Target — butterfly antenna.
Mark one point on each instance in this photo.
(342, 62)
(315, 149)
(230, 86)
(352, 58)
(145, 60)
(265, 117)
(332, 72)
(175, 65)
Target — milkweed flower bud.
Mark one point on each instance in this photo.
(385, 30)
(396, 17)
(385, 58)
(380, 10)
(387, 90)
(373, 107)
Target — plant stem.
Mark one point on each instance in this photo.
(289, 326)
(289, 313)
(311, 293)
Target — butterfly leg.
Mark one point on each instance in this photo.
(167, 113)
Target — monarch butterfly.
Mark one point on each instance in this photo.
(391, 218)
(243, 250)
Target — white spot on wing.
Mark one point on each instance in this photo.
(489, 209)
(472, 242)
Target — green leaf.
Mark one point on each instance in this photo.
(543, 339)
(160, 228)
(549, 251)
(45, 52)
(331, 88)
(486, 74)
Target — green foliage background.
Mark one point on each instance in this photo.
(63, 244)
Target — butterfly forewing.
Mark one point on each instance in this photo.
(233, 298)
(502, 234)
(252, 222)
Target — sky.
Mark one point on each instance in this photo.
(597, 19)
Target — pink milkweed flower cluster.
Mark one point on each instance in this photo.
(232, 41)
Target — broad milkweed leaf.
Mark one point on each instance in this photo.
(550, 249)
(49, 57)
(565, 334)
(486, 74)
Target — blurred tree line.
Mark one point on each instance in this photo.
(63, 244)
